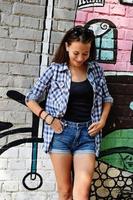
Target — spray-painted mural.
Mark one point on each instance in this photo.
(111, 23)
(32, 180)
(32, 137)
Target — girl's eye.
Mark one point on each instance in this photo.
(75, 54)
(85, 54)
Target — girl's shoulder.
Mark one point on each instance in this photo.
(95, 68)
(94, 65)
(58, 66)
(51, 68)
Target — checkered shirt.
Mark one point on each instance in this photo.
(57, 80)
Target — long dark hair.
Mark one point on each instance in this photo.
(78, 33)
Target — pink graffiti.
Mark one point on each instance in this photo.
(122, 17)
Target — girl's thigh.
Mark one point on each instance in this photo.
(62, 164)
(84, 166)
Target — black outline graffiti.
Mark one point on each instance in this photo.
(116, 122)
(120, 191)
(34, 139)
(5, 125)
(35, 123)
(124, 192)
(115, 33)
(126, 3)
(131, 58)
(119, 87)
(119, 150)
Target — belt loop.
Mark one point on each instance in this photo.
(64, 123)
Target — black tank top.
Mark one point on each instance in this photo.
(80, 102)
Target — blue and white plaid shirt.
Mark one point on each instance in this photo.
(57, 79)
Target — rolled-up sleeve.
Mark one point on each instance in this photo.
(38, 90)
(106, 95)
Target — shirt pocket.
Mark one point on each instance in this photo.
(57, 88)
(57, 91)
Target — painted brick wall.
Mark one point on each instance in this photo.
(111, 22)
(21, 33)
(21, 26)
(121, 15)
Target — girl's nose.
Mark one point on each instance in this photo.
(79, 58)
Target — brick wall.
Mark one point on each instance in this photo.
(21, 33)
(111, 22)
(21, 25)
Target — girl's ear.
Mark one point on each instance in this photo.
(66, 45)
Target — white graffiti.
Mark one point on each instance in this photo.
(99, 28)
(90, 3)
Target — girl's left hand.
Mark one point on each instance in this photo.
(95, 127)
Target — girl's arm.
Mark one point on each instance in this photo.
(38, 110)
(55, 123)
(95, 127)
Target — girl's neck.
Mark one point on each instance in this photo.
(81, 67)
(78, 73)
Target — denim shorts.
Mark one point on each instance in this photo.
(73, 139)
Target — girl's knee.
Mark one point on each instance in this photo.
(81, 192)
(81, 195)
(65, 193)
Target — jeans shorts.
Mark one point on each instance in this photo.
(73, 139)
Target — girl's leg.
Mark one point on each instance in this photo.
(62, 166)
(84, 165)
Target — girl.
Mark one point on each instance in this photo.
(77, 106)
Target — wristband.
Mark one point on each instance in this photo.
(51, 121)
(39, 115)
(46, 116)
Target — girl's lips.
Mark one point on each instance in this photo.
(79, 63)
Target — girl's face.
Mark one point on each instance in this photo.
(78, 53)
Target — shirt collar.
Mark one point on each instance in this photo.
(62, 66)
(89, 67)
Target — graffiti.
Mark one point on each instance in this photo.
(109, 183)
(90, 3)
(32, 180)
(5, 125)
(33, 138)
(113, 175)
(112, 179)
(106, 40)
(131, 59)
(122, 50)
(121, 116)
(126, 2)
